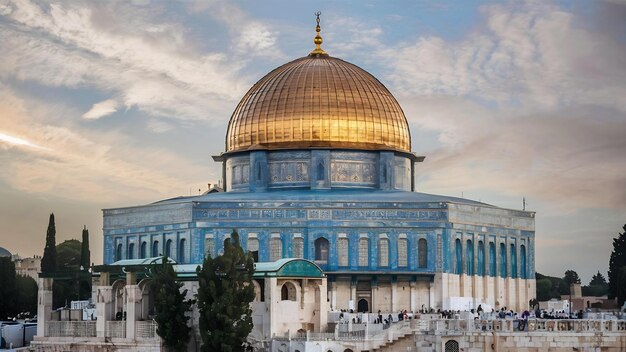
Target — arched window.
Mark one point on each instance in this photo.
(492, 259)
(320, 171)
(459, 256)
(480, 269)
(422, 253)
(383, 252)
(513, 261)
(321, 250)
(342, 252)
(288, 292)
(209, 247)
(502, 260)
(181, 250)
(144, 249)
(131, 251)
(258, 171)
(522, 261)
(168, 248)
(298, 247)
(155, 249)
(364, 253)
(253, 248)
(451, 346)
(276, 249)
(403, 254)
(118, 252)
(469, 258)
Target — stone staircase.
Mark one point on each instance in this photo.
(405, 343)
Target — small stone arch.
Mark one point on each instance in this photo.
(451, 346)
(288, 292)
(347, 350)
(363, 305)
(147, 297)
(119, 304)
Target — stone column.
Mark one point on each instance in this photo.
(323, 306)
(332, 291)
(271, 296)
(431, 295)
(133, 300)
(353, 292)
(104, 298)
(394, 295)
(414, 304)
(44, 304)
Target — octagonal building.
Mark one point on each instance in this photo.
(318, 165)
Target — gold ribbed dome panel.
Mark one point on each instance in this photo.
(318, 102)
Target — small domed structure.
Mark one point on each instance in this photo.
(5, 253)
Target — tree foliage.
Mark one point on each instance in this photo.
(571, 277)
(49, 260)
(617, 268)
(224, 295)
(598, 279)
(171, 307)
(85, 254)
(550, 287)
(7, 288)
(73, 287)
(26, 300)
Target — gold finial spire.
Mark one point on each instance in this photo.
(318, 38)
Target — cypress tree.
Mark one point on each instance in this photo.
(48, 262)
(171, 307)
(85, 254)
(617, 268)
(224, 295)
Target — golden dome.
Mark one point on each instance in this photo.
(318, 102)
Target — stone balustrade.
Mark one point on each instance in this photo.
(70, 329)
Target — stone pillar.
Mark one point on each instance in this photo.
(323, 306)
(133, 298)
(394, 295)
(353, 292)
(374, 297)
(44, 304)
(272, 294)
(104, 298)
(414, 305)
(431, 295)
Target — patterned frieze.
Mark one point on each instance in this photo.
(320, 214)
(491, 216)
(149, 215)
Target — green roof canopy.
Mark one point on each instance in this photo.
(288, 267)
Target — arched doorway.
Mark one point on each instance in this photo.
(363, 306)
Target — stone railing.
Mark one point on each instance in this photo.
(70, 329)
(115, 329)
(145, 330)
(509, 325)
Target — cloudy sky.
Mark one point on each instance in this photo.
(116, 103)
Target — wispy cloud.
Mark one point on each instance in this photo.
(101, 109)
(525, 105)
(148, 66)
(82, 164)
(16, 141)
